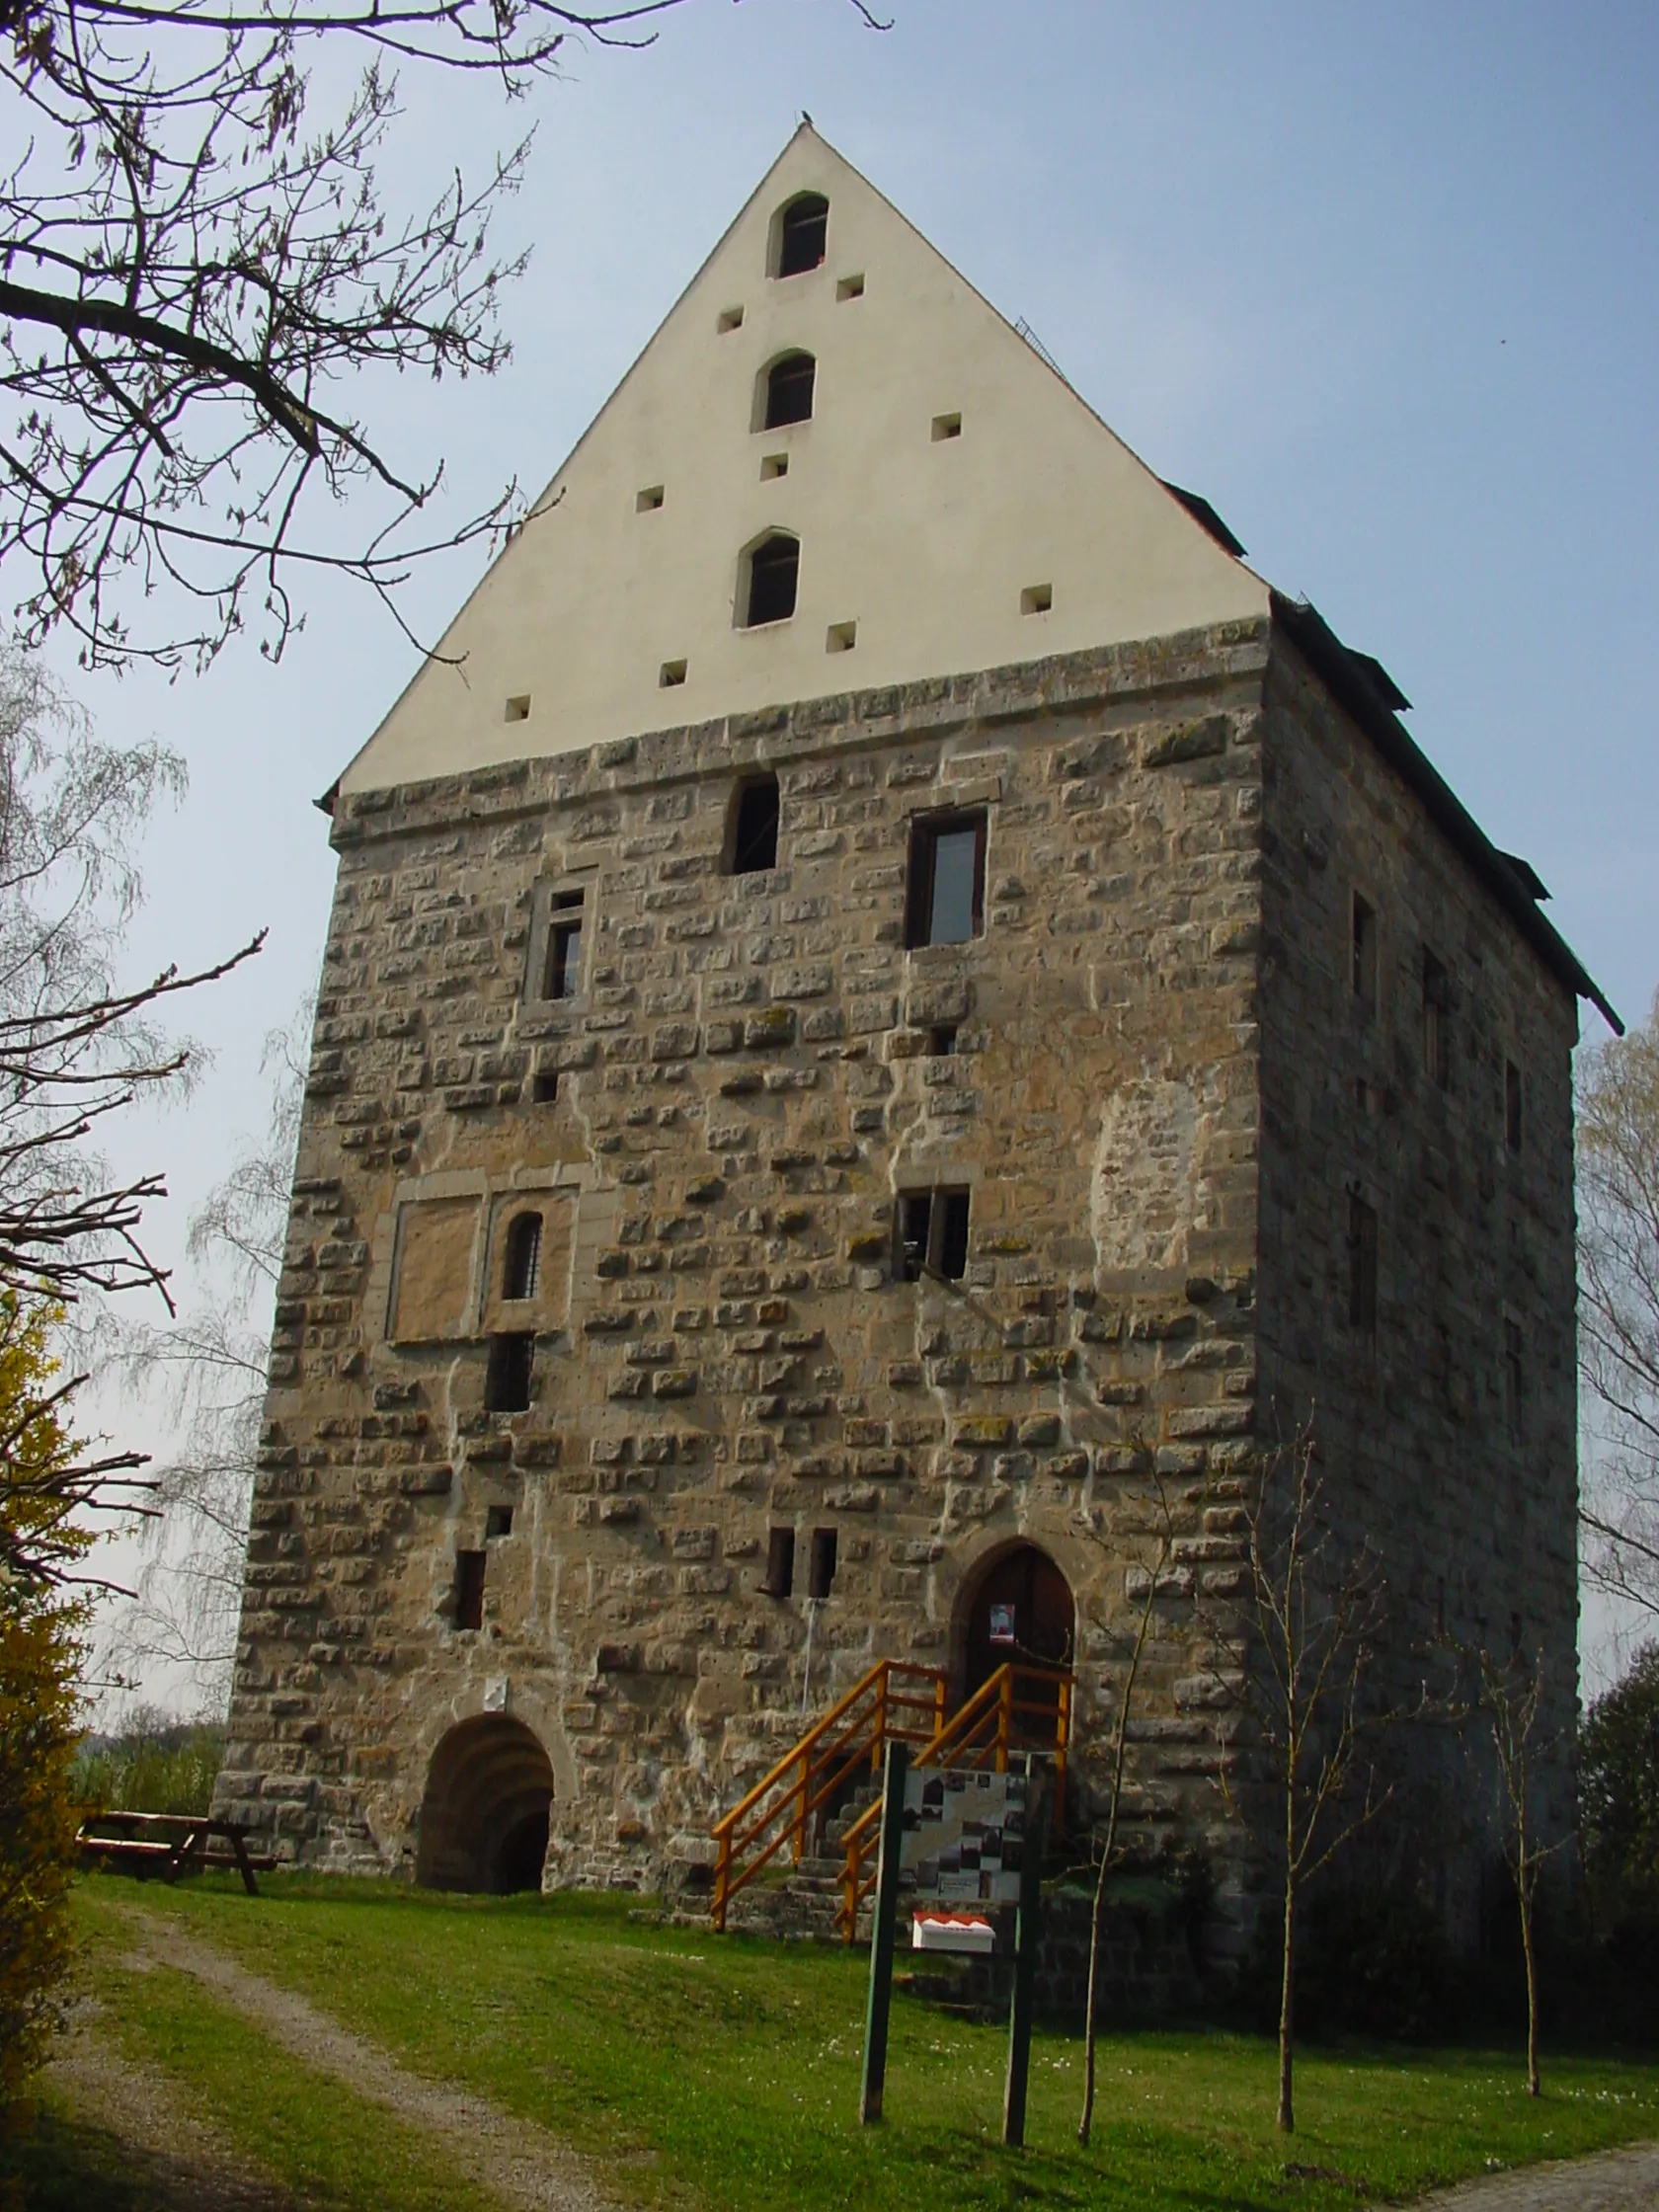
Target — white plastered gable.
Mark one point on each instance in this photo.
(933, 547)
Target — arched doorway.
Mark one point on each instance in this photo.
(483, 1816)
(1018, 1608)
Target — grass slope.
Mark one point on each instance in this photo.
(708, 2070)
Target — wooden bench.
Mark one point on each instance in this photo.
(168, 1844)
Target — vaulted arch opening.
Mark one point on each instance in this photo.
(485, 1813)
(1018, 1607)
(786, 392)
(800, 234)
(768, 580)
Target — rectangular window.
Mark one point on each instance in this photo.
(1437, 1008)
(780, 1563)
(1515, 1382)
(1362, 1265)
(945, 895)
(1364, 961)
(562, 966)
(506, 1380)
(931, 1230)
(821, 1574)
(1512, 1106)
(498, 1521)
(469, 1589)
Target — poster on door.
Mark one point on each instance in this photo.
(1002, 1625)
(964, 1836)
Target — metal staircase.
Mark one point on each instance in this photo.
(1019, 1709)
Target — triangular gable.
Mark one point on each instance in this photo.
(937, 550)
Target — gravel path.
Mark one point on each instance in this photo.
(1626, 2180)
(172, 2153)
(521, 2163)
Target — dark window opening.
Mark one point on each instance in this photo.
(562, 975)
(774, 569)
(789, 391)
(945, 902)
(942, 1042)
(544, 1086)
(524, 1257)
(820, 1571)
(498, 1521)
(1512, 1106)
(1362, 1265)
(780, 1563)
(1515, 1382)
(803, 234)
(1436, 1007)
(1363, 958)
(507, 1380)
(469, 1589)
(932, 1237)
(754, 835)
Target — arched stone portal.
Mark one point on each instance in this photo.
(483, 1816)
(1018, 1607)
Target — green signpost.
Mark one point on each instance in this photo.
(1027, 1932)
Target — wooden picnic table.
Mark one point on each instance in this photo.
(169, 1845)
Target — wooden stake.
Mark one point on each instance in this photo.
(885, 1906)
(1028, 1929)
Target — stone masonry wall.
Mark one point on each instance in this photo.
(1475, 1525)
(744, 1084)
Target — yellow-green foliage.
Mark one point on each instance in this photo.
(155, 1766)
(41, 1651)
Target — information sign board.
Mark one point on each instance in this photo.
(964, 1836)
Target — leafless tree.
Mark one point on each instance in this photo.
(210, 1371)
(1619, 1310)
(1110, 1852)
(1510, 1695)
(75, 1050)
(1298, 1651)
(192, 273)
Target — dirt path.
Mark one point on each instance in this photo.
(521, 2163)
(172, 2153)
(1626, 2180)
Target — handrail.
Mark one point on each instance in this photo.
(994, 1700)
(785, 1801)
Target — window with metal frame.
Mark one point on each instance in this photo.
(773, 580)
(562, 964)
(931, 1234)
(789, 391)
(945, 891)
(521, 1274)
(803, 235)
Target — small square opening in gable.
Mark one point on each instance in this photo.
(648, 501)
(517, 708)
(671, 673)
(946, 426)
(731, 318)
(840, 637)
(850, 288)
(772, 466)
(1037, 599)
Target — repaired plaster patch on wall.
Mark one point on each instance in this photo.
(432, 1285)
(1144, 1190)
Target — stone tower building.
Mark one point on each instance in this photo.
(897, 991)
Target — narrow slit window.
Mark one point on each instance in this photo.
(1362, 1265)
(544, 1086)
(1437, 1010)
(1363, 954)
(561, 972)
(789, 391)
(1514, 1127)
(469, 1589)
(820, 1565)
(523, 1273)
(507, 1380)
(803, 234)
(498, 1522)
(945, 903)
(774, 569)
(754, 827)
(1515, 1382)
(780, 1563)
(932, 1235)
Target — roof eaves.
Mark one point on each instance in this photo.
(1351, 682)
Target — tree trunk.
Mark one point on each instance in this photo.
(1287, 2010)
(1532, 1986)
(1093, 1985)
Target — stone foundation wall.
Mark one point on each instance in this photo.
(745, 1081)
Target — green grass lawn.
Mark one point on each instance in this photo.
(723, 2071)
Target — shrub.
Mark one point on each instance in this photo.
(1619, 1799)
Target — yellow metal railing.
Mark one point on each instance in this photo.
(898, 1698)
(1020, 1708)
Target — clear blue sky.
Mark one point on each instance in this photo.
(1379, 283)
